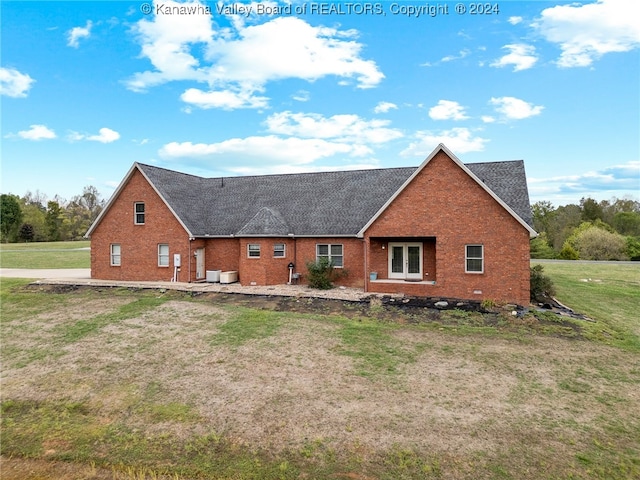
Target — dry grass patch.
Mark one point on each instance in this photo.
(194, 389)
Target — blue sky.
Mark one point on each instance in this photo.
(88, 88)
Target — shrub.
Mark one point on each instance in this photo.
(321, 274)
(568, 252)
(540, 247)
(542, 287)
(597, 244)
(632, 249)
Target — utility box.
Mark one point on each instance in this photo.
(176, 259)
(213, 276)
(229, 277)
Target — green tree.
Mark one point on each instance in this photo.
(540, 247)
(54, 220)
(562, 224)
(26, 233)
(34, 213)
(591, 210)
(632, 249)
(82, 210)
(596, 243)
(543, 212)
(10, 217)
(627, 223)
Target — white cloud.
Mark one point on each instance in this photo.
(105, 135)
(514, 108)
(13, 83)
(458, 140)
(585, 32)
(301, 96)
(241, 60)
(344, 128)
(224, 99)
(37, 132)
(384, 107)
(303, 51)
(616, 180)
(521, 56)
(269, 150)
(448, 58)
(76, 33)
(447, 110)
(515, 20)
(461, 54)
(487, 119)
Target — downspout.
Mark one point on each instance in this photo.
(366, 264)
(190, 260)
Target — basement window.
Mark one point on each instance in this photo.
(138, 209)
(474, 259)
(115, 255)
(254, 250)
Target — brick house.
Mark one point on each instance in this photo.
(443, 229)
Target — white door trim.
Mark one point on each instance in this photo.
(407, 273)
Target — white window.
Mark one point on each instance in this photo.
(115, 255)
(332, 252)
(163, 255)
(278, 250)
(254, 250)
(138, 209)
(474, 259)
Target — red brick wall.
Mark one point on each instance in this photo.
(352, 250)
(138, 243)
(266, 269)
(222, 254)
(379, 257)
(270, 270)
(445, 203)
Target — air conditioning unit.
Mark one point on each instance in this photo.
(213, 276)
(229, 277)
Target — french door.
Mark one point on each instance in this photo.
(405, 261)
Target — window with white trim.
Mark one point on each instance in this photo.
(163, 255)
(331, 251)
(253, 250)
(138, 213)
(474, 259)
(115, 255)
(278, 250)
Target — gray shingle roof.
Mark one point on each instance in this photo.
(307, 204)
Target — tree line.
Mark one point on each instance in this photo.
(606, 230)
(33, 218)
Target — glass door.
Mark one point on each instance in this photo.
(405, 261)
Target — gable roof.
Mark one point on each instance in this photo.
(505, 178)
(338, 203)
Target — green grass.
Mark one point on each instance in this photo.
(606, 292)
(372, 346)
(45, 255)
(247, 325)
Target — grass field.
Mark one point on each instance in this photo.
(118, 384)
(46, 255)
(608, 292)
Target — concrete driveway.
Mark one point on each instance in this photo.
(47, 273)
